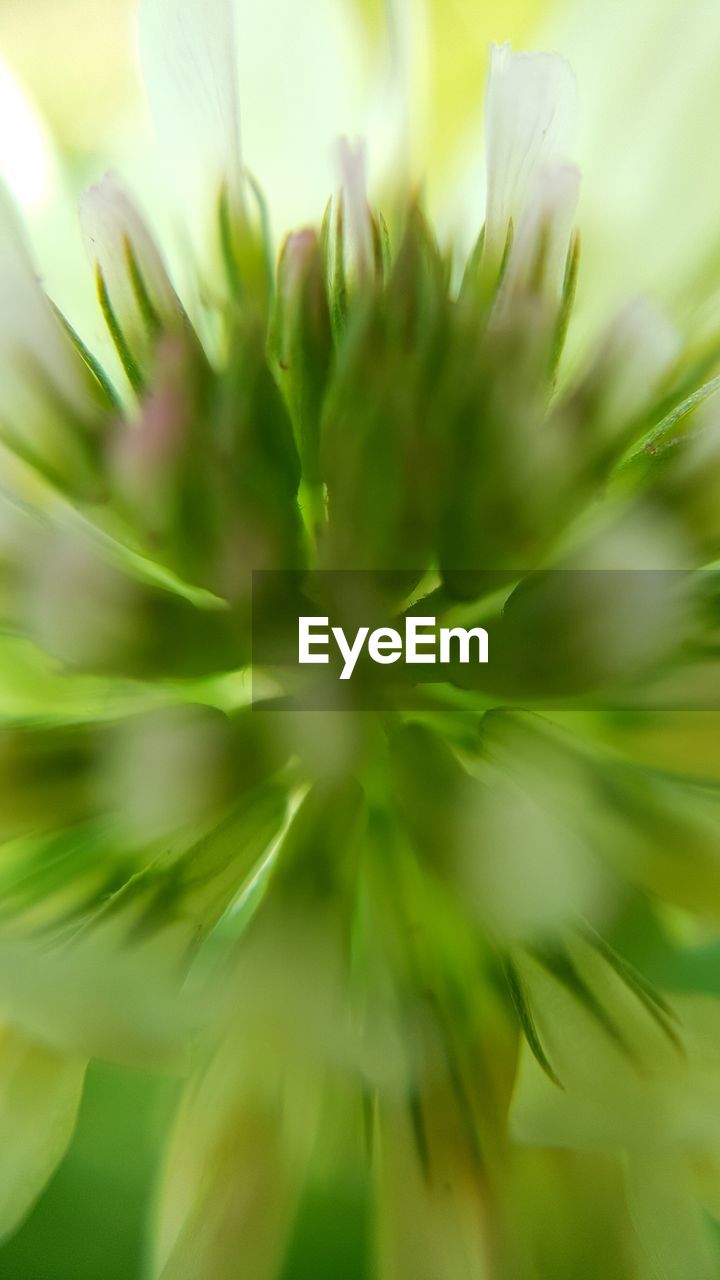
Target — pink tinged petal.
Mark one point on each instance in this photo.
(352, 164)
(147, 456)
(300, 249)
(529, 127)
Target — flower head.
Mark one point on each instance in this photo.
(404, 924)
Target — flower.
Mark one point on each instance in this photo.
(403, 926)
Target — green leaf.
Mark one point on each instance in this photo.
(40, 1094)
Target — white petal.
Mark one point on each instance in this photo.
(110, 223)
(42, 375)
(29, 329)
(530, 117)
(547, 224)
(26, 159)
(188, 51)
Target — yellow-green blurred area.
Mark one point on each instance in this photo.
(459, 33)
(649, 92)
(76, 59)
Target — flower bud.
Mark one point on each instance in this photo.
(302, 344)
(138, 301)
(162, 464)
(507, 479)
(255, 471)
(54, 405)
(387, 374)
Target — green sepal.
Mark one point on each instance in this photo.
(560, 965)
(130, 365)
(301, 342)
(527, 1021)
